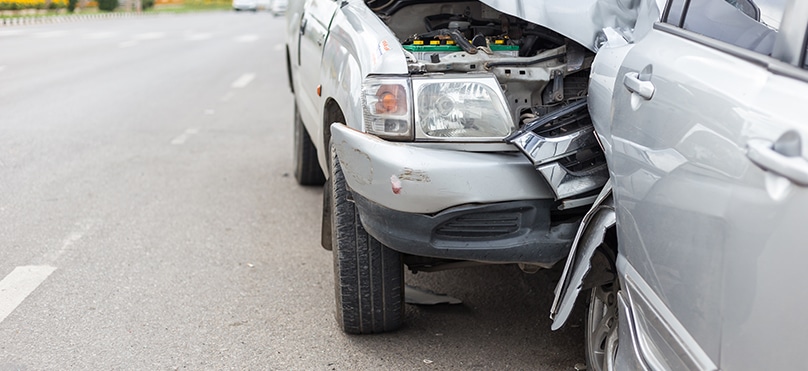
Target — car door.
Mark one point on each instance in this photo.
(709, 171)
(313, 31)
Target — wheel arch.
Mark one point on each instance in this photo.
(289, 70)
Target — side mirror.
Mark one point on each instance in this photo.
(748, 7)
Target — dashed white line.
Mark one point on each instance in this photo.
(278, 47)
(142, 37)
(20, 283)
(50, 34)
(74, 236)
(10, 32)
(100, 35)
(184, 136)
(247, 38)
(243, 81)
(150, 36)
(229, 95)
(2, 68)
(127, 44)
(198, 36)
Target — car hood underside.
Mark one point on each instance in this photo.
(584, 20)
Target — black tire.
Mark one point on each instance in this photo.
(368, 276)
(307, 168)
(602, 328)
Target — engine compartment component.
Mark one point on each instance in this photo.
(543, 77)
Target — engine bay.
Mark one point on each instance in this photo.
(543, 76)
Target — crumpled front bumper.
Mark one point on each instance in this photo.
(452, 204)
(415, 179)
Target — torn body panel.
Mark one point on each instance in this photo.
(563, 147)
(589, 238)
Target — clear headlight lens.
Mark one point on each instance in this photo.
(387, 108)
(450, 108)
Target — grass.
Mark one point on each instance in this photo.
(188, 7)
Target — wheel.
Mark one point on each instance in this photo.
(307, 168)
(368, 276)
(601, 328)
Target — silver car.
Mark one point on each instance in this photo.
(402, 109)
(694, 253)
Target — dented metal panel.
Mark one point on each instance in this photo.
(560, 141)
(415, 179)
(589, 237)
(580, 20)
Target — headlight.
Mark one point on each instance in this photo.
(444, 108)
(455, 109)
(387, 109)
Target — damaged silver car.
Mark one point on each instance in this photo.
(413, 113)
(692, 256)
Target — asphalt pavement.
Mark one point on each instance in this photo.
(150, 220)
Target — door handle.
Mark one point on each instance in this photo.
(634, 84)
(303, 24)
(767, 156)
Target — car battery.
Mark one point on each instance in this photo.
(425, 49)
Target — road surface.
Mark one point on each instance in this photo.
(150, 221)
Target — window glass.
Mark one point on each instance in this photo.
(674, 15)
(750, 24)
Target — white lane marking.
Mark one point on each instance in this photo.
(50, 34)
(184, 136)
(20, 283)
(100, 35)
(198, 36)
(68, 242)
(10, 32)
(225, 98)
(243, 81)
(150, 36)
(279, 47)
(2, 68)
(129, 43)
(142, 37)
(246, 38)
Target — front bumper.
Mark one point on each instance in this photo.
(508, 232)
(489, 207)
(413, 179)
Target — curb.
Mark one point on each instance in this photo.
(20, 21)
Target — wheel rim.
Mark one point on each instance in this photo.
(601, 328)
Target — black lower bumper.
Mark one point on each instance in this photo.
(508, 232)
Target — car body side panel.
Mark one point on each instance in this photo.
(716, 238)
(765, 275)
(312, 34)
(358, 45)
(657, 339)
(675, 169)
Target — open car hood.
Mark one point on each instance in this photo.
(584, 20)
